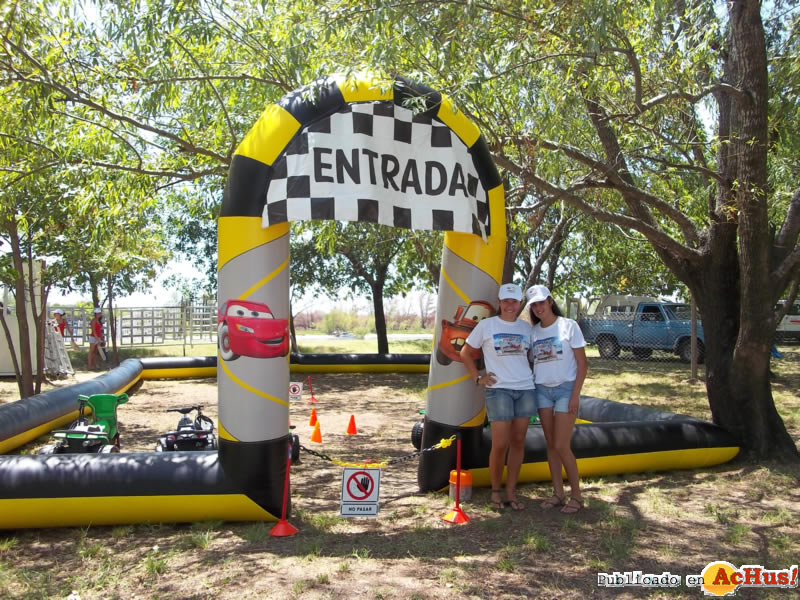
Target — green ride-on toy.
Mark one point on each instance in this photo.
(97, 433)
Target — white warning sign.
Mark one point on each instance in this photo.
(360, 492)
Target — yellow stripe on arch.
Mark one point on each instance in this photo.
(252, 289)
(456, 289)
(445, 384)
(224, 433)
(247, 386)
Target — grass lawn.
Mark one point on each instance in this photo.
(743, 512)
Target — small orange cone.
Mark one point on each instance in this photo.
(312, 420)
(351, 427)
(316, 436)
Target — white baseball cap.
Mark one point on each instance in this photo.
(537, 293)
(510, 290)
(97, 311)
(58, 311)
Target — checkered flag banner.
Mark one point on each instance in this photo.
(378, 162)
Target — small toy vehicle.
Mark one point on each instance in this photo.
(189, 435)
(97, 433)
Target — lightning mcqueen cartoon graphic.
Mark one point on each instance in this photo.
(247, 328)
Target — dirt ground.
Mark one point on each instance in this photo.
(679, 521)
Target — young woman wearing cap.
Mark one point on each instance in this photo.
(95, 338)
(510, 399)
(62, 325)
(560, 368)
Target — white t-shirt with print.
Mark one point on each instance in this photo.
(505, 348)
(552, 351)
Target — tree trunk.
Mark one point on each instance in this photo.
(25, 377)
(11, 349)
(292, 332)
(380, 318)
(738, 381)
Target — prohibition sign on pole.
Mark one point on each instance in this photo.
(295, 390)
(360, 492)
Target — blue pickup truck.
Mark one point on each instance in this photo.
(642, 328)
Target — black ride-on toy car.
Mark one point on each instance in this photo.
(96, 433)
(189, 435)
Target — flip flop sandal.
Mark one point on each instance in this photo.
(572, 506)
(515, 504)
(497, 504)
(553, 501)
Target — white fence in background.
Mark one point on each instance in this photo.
(150, 326)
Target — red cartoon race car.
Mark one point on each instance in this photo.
(455, 332)
(247, 328)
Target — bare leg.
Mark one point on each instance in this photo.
(516, 452)
(547, 419)
(501, 432)
(564, 424)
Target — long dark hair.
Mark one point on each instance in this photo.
(556, 311)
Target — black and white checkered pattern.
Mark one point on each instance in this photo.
(395, 136)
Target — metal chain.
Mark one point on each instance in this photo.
(443, 443)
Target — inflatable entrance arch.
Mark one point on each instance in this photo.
(350, 149)
(346, 149)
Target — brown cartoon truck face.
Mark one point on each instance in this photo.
(455, 332)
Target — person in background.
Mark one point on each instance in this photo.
(62, 325)
(95, 338)
(510, 397)
(560, 368)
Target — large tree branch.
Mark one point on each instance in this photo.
(190, 175)
(656, 236)
(790, 229)
(617, 182)
(77, 97)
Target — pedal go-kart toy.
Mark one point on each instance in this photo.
(189, 435)
(96, 433)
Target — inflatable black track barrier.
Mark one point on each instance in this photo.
(621, 438)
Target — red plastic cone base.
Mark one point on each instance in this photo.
(316, 435)
(283, 529)
(351, 427)
(456, 516)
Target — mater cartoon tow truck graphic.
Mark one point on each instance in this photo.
(455, 332)
(247, 328)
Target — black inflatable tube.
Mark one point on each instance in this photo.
(57, 407)
(618, 433)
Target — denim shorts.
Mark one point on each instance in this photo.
(555, 397)
(503, 404)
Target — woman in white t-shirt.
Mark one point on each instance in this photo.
(510, 396)
(560, 368)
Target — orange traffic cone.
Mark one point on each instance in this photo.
(312, 420)
(316, 436)
(351, 427)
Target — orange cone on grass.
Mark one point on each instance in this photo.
(351, 427)
(312, 420)
(316, 436)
